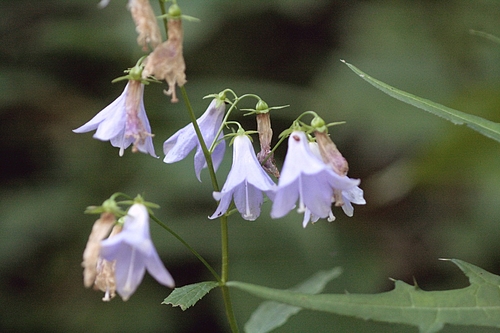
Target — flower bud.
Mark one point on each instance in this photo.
(146, 24)
(166, 62)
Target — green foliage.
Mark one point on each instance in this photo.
(187, 296)
(478, 304)
(270, 315)
(483, 126)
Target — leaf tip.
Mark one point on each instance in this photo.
(445, 259)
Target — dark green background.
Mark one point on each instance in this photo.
(432, 188)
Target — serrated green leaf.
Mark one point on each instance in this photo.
(486, 127)
(478, 304)
(188, 295)
(270, 315)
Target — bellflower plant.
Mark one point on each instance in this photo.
(246, 182)
(313, 178)
(133, 252)
(306, 178)
(179, 145)
(124, 122)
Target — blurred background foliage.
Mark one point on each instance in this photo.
(432, 187)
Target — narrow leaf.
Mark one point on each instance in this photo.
(485, 127)
(486, 35)
(270, 315)
(188, 295)
(478, 304)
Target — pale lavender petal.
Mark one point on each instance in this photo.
(129, 272)
(218, 153)
(284, 200)
(199, 162)
(317, 194)
(113, 125)
(248, 200)
(157, 270)
(225, 201)
(102, 115)
(348, 208)
(354, 195)
(146, 146)
(179, 145)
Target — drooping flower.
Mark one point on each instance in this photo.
(132, 252)
(124, 122)
(166, 62)
(179, 145)
(245, 183)
(308, 179)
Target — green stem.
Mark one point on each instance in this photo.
(164, 12)
(193, 251)
(224, 274)
(225, 248)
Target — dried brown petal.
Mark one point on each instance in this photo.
(146, 24)
(99, 231)
(105, 279)
(134, 126)
(330, 154)
(265, 155)
(166, 62)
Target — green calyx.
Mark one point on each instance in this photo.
(174, 12)
(261, 107)
(135, 73)
(140, 200)
(108, 206)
